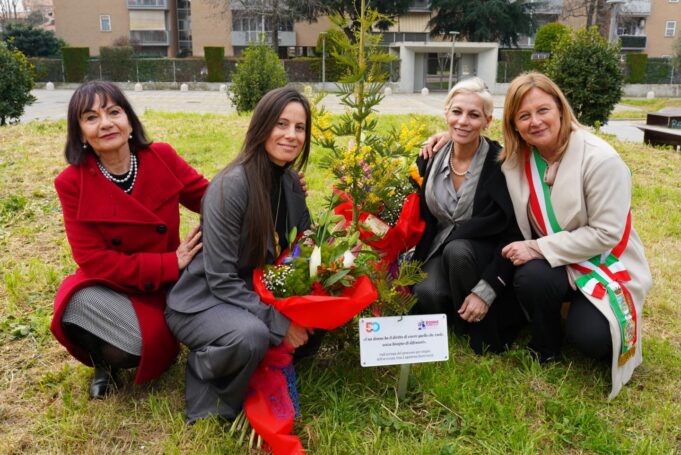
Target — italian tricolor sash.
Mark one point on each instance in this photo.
(600, 274)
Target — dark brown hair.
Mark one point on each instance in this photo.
(82, 100)
(258, 168)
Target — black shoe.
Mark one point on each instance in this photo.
(544, 358)
(103, 382)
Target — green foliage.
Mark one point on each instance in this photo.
(16, 83)
(587, 69)
(75, 63)
(483, 20)
(637, 63)
(214, 56)
(32, 42)
(676, 47)
(658, 71)
(513, 62)
(549, 35)
(259, 72)
(331, 41)
(117, 63)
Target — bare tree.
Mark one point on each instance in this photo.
(8, 10)
(595, 12)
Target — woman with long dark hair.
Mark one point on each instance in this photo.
(120, 197)
(247, 212)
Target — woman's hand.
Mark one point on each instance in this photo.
(522, 251)
(434, 144)
(303, 183)
(297, 335)
(189, 247)
(473, 309)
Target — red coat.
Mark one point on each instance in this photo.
(128, 243)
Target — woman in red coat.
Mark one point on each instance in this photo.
(120, 199)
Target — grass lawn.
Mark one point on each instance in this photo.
(491, 404)
(642, 106)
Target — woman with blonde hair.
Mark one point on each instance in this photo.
(571, 195)
(469, 218)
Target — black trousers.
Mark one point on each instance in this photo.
(541, 290)
(451, 277)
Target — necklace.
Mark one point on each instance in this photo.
(131, 174)
(451, 165)
(277, 246)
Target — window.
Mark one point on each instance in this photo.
(105, 23)
(673, 1)
(670, 28)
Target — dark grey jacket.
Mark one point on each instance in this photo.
(217, 274)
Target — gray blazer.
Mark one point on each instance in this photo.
(217, 274)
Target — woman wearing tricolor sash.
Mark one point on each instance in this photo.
(571, 195)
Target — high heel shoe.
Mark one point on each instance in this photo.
(103, 382)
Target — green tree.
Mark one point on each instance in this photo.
(587, 69)
(483, 20)
(352, 9)
(259, 72)
(549, 35)
(16, 83)
(31, 41)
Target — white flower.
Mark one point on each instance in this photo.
(315, 261)
(348, 259)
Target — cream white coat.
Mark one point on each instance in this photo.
(591, 196)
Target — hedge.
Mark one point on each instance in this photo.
(75, 63)
(214, 56)
(636, 68)
(116, 63)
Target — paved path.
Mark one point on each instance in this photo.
(52, 104)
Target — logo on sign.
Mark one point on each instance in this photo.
(423, 325)
(370, 327)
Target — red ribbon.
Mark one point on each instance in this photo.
(405, 234)
(268, 405)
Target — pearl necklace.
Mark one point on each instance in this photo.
(132, 173)
(451, 165)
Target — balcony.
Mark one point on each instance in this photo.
(148, 4)
(149, 37)
(243, 38)
(633, 42)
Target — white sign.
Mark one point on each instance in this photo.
(403, 339)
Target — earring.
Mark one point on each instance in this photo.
(130, 136)
(84, 145)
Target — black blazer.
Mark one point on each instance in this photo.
(492, 221)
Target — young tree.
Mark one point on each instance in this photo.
(32, 42)
(16, 83)
(587, 69)
(483, 20)
(259, 72)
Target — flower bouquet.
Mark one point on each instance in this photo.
(318, 283)
(379, 192)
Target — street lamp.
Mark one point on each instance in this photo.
(451, 61)
(323, 60)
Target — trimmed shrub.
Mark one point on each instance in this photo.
(75, 63)
(303, 69)
(636, 66)
(117, 63)
(659, 71)
(214, 56)
(549, 35)
(16, 83)
(259, 72)
(47, 69)
(513, 62)
(586, 67)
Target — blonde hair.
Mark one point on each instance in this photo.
(473, 85)
(519, 87)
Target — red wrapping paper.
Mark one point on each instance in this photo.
(268, 405)
(405, 234)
